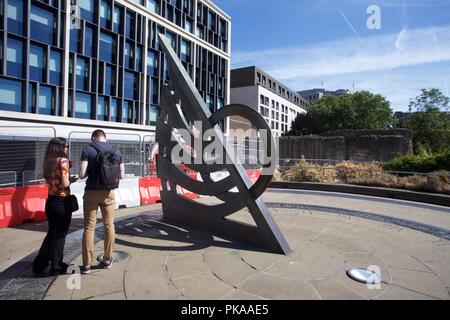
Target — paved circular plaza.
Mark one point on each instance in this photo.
(329, 233)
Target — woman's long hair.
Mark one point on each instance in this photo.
(55, 149)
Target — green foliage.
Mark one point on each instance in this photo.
(430, 123)
(422, 162)
(357, 111)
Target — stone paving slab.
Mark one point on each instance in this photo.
(166, 260)
(216, 268)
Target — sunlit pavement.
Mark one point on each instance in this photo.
(158, 259)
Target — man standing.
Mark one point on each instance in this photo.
(104, 167)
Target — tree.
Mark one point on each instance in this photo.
(357, 111)
(430, 100)
(430, 122)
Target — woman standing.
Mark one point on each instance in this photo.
(56, 169)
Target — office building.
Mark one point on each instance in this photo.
(78, 65)
(278, 104)
(313, 95)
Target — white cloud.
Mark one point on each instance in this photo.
(341, 60)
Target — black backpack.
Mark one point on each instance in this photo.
(107, 169)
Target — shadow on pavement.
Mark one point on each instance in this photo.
(179, 237)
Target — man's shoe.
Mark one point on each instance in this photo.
(108, 265)
(86, 270)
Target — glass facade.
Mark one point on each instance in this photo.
(83, 105)
(14, 57)
(11, 93)
(37, 63)
(15, 13)
(110, 62)
(55, 68)
(108, 47)
(46, 100)
(42, 25)
(89, 41)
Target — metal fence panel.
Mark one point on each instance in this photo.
(8, 179)
(22, 149)
(128, 144)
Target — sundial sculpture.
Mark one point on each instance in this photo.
(181, 106)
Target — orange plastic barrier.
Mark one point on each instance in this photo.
(21, 204)
(149, 189)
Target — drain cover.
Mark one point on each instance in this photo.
(118, 256)
(364, 275)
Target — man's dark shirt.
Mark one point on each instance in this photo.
(89, 154)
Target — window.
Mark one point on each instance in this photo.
(83, 105)
(152, 63)
(153, 114)
(153, 91)
(31, 98)
(82, 72)
(129, 54)
(86, 9)
(220, 103)
(113, 110)
(188, 24)
(107, 48)
(46, 100)
(14, 58)
(89, 41)
(102, 109)
(130, 80)
(185, 51)
(15, 16)
(200, 32)
(105, 14)
(74, 40)
(210, 102)
(117, 19)
(110, 81)
(127, 108)
(43, 25)
(55, 67)
(138, 66)
(153, 5)
(11, 93)
(261, 99)
(223, 28)
(211, 21)
(172, 40)
(37, 63)
(130, 26)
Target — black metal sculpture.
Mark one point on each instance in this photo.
(182, 106)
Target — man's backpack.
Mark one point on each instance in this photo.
(107, 168)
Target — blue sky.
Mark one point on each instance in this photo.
(304, 43)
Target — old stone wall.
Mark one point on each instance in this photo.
(359, 146)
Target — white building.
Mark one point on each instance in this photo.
(274, 101)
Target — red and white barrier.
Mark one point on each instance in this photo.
(21, 204)
(149, 189)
